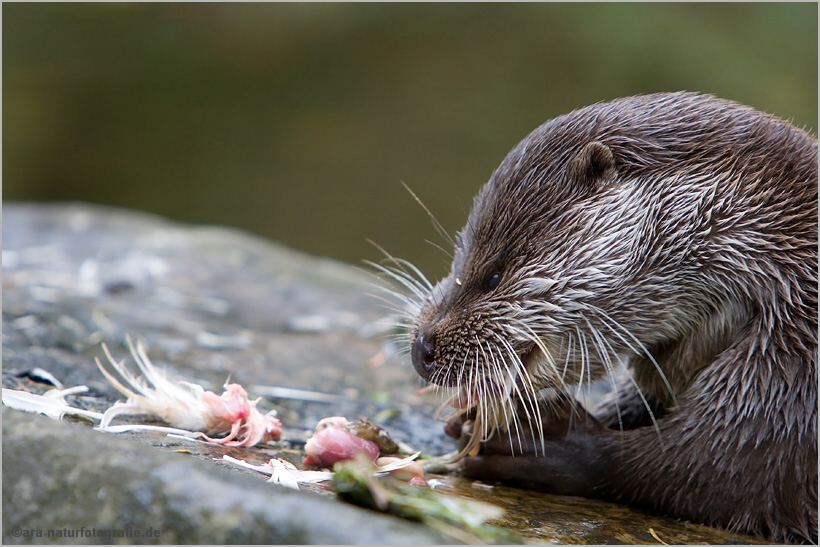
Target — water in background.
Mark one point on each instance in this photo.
(299, 121)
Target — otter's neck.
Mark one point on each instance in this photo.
(682, 359)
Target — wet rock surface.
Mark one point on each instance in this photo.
(64, 476)
(211, 303)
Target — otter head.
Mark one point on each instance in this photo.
(579, 255)
(509, 318)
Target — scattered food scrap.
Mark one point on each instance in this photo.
(367, 430)
(230, 419)
(412, 472)
(52, 403)
(285, 473)
(336, 439)
(332, 442)
(188, 406)
(282, 472)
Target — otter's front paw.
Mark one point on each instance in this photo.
(558, 453)
(568, 466)
(556, 419)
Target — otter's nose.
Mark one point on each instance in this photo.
(424, 355)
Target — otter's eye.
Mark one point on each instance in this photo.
(492, 281)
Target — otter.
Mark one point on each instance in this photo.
(671, 235)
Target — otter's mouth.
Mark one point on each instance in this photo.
(518, 381)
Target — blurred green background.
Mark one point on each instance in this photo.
(298, 121)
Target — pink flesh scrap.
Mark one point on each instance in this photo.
(418, 481)
(231, 406)
(233, 409)
(332, 443)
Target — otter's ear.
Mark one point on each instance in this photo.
(593, 166)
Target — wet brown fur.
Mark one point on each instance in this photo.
(690, 224)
